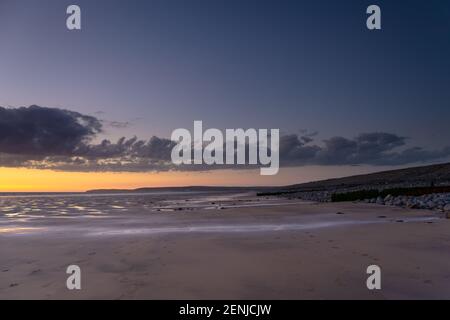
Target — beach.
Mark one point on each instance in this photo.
(219, 246)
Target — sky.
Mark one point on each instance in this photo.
(347, 100)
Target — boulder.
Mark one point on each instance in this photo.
(431, 204)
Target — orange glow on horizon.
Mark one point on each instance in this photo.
(32, 180)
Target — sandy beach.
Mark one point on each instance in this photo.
(222, 247)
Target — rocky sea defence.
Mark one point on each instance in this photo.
(438, 201)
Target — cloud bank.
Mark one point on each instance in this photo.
(51, 138)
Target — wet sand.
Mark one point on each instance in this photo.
(229, 248)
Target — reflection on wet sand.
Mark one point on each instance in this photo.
(139, 214)
(18, 230)
(78, 205)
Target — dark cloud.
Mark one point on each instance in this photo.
(44, 131)
(294, 149)
(48, 138)
(368, 148)
(119, 124)
(377, 148)
(155, 148)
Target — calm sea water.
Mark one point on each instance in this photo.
(45, 205)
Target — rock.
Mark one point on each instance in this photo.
(388, 198)
(431, 204)
(447, 208)
(414, 205)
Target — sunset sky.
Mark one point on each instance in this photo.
(346, 100)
